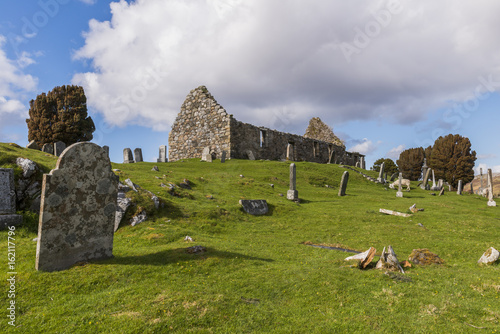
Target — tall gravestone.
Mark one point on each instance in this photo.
(363, 165)
(128, 158)
(491, 202)
(250, 155)
(162, 154)
(424, 169)
(425, 183)
(460, 186)
(206, 155)
(381, 173)
(400, 191)
(138, 155)
(59, 147)
(434, 185)
(481, 176)
(343, 183)
(223, 157)
(292, 194)
(78, 208)
(8, 216)
(48, 148)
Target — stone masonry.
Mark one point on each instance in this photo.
(202, 122)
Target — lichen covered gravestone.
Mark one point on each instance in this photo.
(8, 200)
(343, 183)
(78, 209)
(138, 155)
(128, 158)
(256, 207)
(206, 155)
(162, 154)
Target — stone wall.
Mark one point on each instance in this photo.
(271, 144)
(202, 122)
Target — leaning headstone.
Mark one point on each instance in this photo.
(59, 147)
(250, 155)
(434, 185)
(255, 207)
(48, 148)
(128, 158)
(8, 216)
(343, 183)
(400, 192)
(223, 157)
(381, 173)
(162, 154)
(206, 155)
(33, 145)
(425, 182)
(138, 155)
(460, 186)
(441, 193)
(481, 176)
(292, 194)
(77, 215)
(491, 202)
(106, 148)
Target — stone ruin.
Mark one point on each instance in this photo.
(202, 122)
(69, 233)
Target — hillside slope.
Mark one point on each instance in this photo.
(257, 275)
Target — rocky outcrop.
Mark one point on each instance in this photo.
(28, 186)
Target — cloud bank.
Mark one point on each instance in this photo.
(392, 61)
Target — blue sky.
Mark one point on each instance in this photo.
(385, 75)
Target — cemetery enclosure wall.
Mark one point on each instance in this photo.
(271, 144)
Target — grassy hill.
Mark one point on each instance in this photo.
(257, 275)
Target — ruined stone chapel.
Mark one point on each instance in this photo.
(202, 122)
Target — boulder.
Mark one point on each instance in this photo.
(490, 256)
(255, 207)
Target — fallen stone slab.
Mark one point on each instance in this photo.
(364, 258)
(256, 207)
(394, 213)
(490, 256)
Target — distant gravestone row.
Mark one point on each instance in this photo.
(128, 156)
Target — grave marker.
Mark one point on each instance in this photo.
(59, 147)
(381, 173)
(78, 208)
(256, 207)
(48, 148)
(400, 192)
(343, 183)
(206, 155)
(162, 154)
(8, 216)
(460, 185)
(491, 202)
(292, 194)
(138, 155)
(128, 158)
(223, 157)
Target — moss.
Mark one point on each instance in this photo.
(424, 257)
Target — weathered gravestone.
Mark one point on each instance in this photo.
(250, 155)
(381, 173)
(491, 202)
(59, 147)
(138, 155)
(400, 192)
(424, 170)
(128, 158)
(363, 164)
(425, 183)
(460, 186)
(78, 207)
(434, 185)
(223, 157)
(256, 207)
(163, 154)
(33, 145)
(106, 148)
(343, 183)
(8, 200)
(48, 148)
(206, 155)
(292, 194)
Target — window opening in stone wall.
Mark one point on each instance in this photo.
(316, 149)
(262, 137)
(290, 151)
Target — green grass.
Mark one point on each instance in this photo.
(257, 276)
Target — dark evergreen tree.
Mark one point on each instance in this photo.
(60, 115)
(389, 167)
(452, 159)
(410, 163)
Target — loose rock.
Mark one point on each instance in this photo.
(490, 256)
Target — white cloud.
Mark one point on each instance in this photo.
(485, 167)
(89, 2)
(395, 152)
(264, 55)
(365, 147)
(14, 86)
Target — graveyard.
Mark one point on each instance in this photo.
(200, 264)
